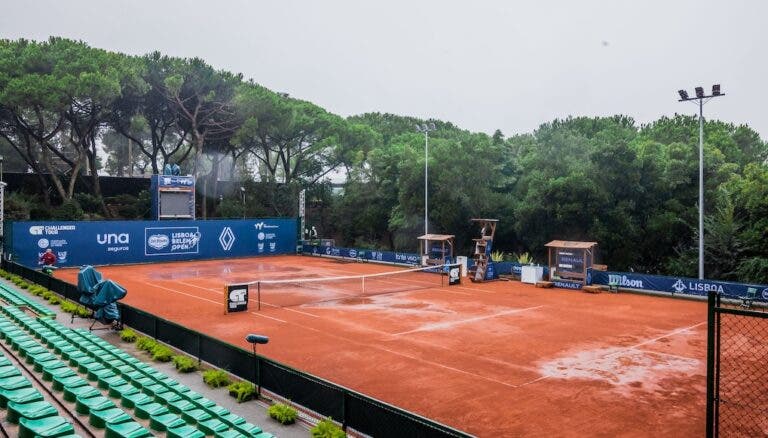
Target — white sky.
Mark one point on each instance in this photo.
(482, 65)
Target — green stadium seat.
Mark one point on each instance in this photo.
(21, 395)
(167, 397)
(216, 411)
(204, 403)
(9, 371)
(230, 433)
(118, 391)
(106, 382)
(232, 419)
(60, 382)
(100, 418)
(163, 422)
(72, 393)
(180, 406)
(84, 405)
(248, 429)
(154, 389)
(31, 411)
(50, 364)
(15, 382)
(96, 375)
(184, 432)
(141, 382)
(130, 429)
(212, 426)
(45, 427)
(147, 410)
(81, 362)
(132, 400)
(191, 395)
(194, 416)
(49, 375)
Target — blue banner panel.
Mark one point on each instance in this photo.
(401, 258)
(121, 242)
(678, 285)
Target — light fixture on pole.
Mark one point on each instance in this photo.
(242, 191)
(700, 99)
(426, 129)
(253, 340)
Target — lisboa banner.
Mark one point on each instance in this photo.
(678, 285)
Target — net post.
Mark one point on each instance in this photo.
(226, 300)
(258, 295)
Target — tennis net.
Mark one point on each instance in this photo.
(343, 290)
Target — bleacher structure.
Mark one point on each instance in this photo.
(56, 381)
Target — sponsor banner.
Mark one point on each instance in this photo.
(121, 242)
(367, 255)
(678, 285)
(565, 284)
(454, 275)
(237, 298)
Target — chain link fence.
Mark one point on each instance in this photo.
(737, 404)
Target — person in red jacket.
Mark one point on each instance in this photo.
(48, 258)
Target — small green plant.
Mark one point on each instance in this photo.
(215, 378)
(161, 353)
(242, 391)
(37, 290)
(524, 258)
(54, 300)
(82, 312)
(497, 256)
(68, 307)
(283, 413)
(146, 344)
(184, 364)
(327, 429)
(128, 335)
(47, 295)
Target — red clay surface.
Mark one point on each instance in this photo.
(492, 359)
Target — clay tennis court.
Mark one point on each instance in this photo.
(493, 359)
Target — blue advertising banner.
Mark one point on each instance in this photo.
(121, 242)
(678, 285)
(402, 258)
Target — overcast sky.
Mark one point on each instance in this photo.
(483, 65)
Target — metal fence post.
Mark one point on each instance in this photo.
(710, 363)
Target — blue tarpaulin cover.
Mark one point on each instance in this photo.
(99, 295)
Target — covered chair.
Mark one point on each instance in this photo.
(100, 296)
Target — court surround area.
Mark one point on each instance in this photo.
(494, 359)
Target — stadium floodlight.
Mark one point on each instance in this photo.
(242, 191)
(426, 129)
(254, 339)
(700, 100)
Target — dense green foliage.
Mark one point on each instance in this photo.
(282, 413)
(633, 189)
(242, 391)
(216, 378)
(327, 429)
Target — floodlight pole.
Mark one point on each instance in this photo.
(701, 99)
(426, 129)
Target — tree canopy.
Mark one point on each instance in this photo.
(71, 112)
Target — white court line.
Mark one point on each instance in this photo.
(265, 316)
(650, 341)
(299, 311)
(209, 289)
(625, 349)
(219, 303)
(451, 324)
